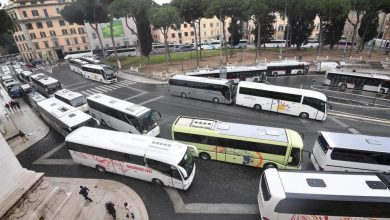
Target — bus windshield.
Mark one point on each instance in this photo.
(109, 72)
(52, 88)
(187, 163)
(79, 101)
(14, 88)
(149, 120)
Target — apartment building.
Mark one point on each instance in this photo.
(41, 33)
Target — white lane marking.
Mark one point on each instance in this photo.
(100, 89)
(75, 84)
(89, 84)
(342, 124)
(95, 90)
(89, 92)
(85, 93)
(365, 96)
(211, 208)
(151, 100)
(134, 96)
(110, 87)
(353, 131)
(359, 117)
(115, 87)
(44, 158)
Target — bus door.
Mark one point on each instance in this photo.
(168, 174)
(105, 120)
(335, 80)
(288, 70)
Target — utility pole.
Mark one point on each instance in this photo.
(284, 34)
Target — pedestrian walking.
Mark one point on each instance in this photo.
(23, 136)
(12, 104)
(110, 206)
(17, 104)
(128, 211)
(7, 107)
(84, 192)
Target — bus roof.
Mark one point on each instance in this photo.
(357, 141)
(89, 60)
(118, 104)
(228, 69)
(329, 186)
(296, 91)
(67, 94)
(45, 80)
(82, 62)
(365, 73)
(69, 115)
(287, 63)
(233, 129)
(100, 67)
(163, 150)
(203, 80)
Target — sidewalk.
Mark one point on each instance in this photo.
(138, 77)
(101, 191)
(24, 119)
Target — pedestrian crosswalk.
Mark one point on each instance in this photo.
(107, 88)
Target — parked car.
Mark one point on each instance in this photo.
(185, 47)
(206, 46)
(241, 44)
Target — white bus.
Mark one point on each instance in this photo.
(237, 73)
(78, 54)
(351, 152)
(209, 89)
(275, 43)
(124, 116)
(287, 67)
(76, 64)
(63, 117)
(90, 60)
(122, 52)
(45, 85)
(74, 99)
(349, 79)
(160, 161)
(104, 74)
(294, 195)
(299, 102)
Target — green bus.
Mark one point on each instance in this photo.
(249, 145)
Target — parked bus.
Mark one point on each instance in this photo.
(351, 152)
(122, 52)
(33, 98)
(349, 79)
(209, 89)
(124, 116)
(74, 99)
(287, 67)
(63, 117)
(297, 195)
(104, 74)
(275, 43)
(236, 73)
(299, 102)
(249, 145)
(78, 54)
(76, 64)
(46, 85)
(160, 161)
(90, 60)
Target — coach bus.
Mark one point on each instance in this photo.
(298, 195)
(160, 161)
(249, 145)
(351, 152)
(298, 102)
(45, 85)
(287, 67)
(103, 74)
(78, 54)
(63, 117)
(76, 64)
(90, 60)
(236, 73)
(349, 79)
(122, 52)
(209, 89)
(74, 99)
(275, 43)
(124, 116)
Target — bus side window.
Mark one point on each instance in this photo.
(134, 159)
(295, 156)
(159, 166)
(175, 173)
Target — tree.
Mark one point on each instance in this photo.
(145, 33)
(7, 44)
(267, 29)
(369, 27)
(164, 18)
(191, 11)
(7, 23)
(87, 11)
(234, 30)
(333, 29)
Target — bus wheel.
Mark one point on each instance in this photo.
(215, 100)
(299, 72)
(343, 86)
(382, 91)
(157, 182)
(100, 168)
(269, 165)
(275, 74)
(204, 156)
(304, 115)
(257, 107)
(183, 95)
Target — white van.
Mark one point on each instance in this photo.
(322, 67)
(74, 99)
(351, 152)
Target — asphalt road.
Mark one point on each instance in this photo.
(215, 182)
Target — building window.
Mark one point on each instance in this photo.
(58, 10)
(85, 41)
(39, 25)
(211, 25)
(49, 24)
(61, 1)
(204, 33)
(64, 32)
(20, 38)
(32, 36)
(23, 37)
(185, 34)
(179, 35)
(46, 44)
(94, 36)
(86, 47)
(46, 14)
(36, 46)
(62, 22)
(192, 33)
(20, 28)
(216, 24)
(212, 33)
(76, 41)
(56, 43)
(34, 13)
(33, 2)
(24, 47)
(43, 34)
(173, 35)
(204, 25)
(16, 38)
(281, 28)
(70, 49)
(72, 31)
(53, 33)
(81, 30)
(40, 55)
(29, 26)
(67, 41)
(78, 48)
(185, 25)
(24, 14)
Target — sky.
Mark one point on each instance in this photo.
(157, 1)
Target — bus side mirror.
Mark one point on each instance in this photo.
(183, 172)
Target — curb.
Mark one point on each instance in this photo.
(144, 75)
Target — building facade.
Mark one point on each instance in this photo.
(41, 34)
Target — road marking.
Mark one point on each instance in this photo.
(44, 158)
(85, 93)
(209, 208)
(134, 96)
(359, 117)
(151, 100)
(76, 84)
(100, 89)
(94, 90)
(353, 131)
(365, 96)
(89, 92)
(342, 124)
